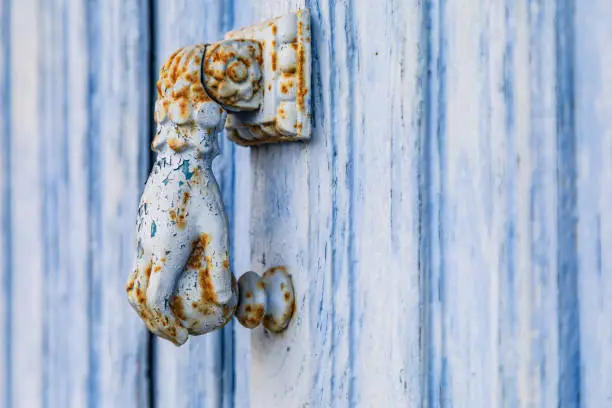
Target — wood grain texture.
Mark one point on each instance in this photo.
(26, 203)
(433, 223)
(117, 144)
(76, 130)
(593, 110)
(341, 213)
(446, 227)
(5, 205)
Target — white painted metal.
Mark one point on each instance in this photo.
(199, 373)
(285, 111)
(181, 283)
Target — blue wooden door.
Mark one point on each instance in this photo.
(446, 227)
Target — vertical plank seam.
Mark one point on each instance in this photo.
(424, 217)
(6, 193)
(93, 200)
(570, 380)
(146, 166)
(49, 205)
(353, 67)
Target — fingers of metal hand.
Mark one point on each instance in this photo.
(168, 263)
(202, 302)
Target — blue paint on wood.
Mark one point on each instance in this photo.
(567, 256)
(558, 203)
(6, 358)
(93, 168)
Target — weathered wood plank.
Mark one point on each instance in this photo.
(117, 154)
(26, 149)
(593, 104)
(69, 181)
(493, 315)
(63, 109)
(200, 373)
(119, 117)
(5, 202)
(341, 213)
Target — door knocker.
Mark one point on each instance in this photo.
(256, 82)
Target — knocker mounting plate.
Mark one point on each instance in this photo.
(284, 113)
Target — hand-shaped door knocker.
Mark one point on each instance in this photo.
(256, 82)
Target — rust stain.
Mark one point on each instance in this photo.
(197, 253)
(148, 271)
(179, 71)
(181, 224)
(186, 197)
(157, 268)
(302, 90)
(176, 144)
(226, 263)
(141, 296)
(273, 58)
(177, 307)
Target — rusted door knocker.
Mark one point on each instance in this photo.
(257, 83)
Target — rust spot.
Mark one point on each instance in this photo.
(186, 196)
(300, 29)
(301, 94)
(176, 144)
(281, 113)
(181, 94)
(197, 254)
(157, 268)
(172, 215)
(129, 286)
(183, 107)
(273, 58)
(226, 264)
(163, 260)
(260, 285)
(148, 271)
(247, 308)
(284, 88)
(274, 29)
(269, 87)
(208, 291)
(248, 295)
(287, 296)
(177, 307)
(141, 297)
(181, 221)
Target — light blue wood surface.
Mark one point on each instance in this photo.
(446, 227)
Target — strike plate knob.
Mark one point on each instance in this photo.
(256, 82)
(269, 298)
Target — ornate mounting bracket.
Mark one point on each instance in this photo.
(257, 83)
